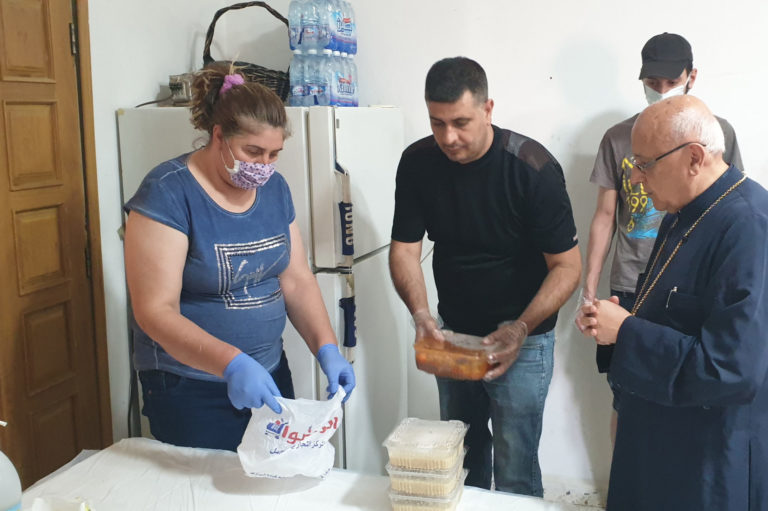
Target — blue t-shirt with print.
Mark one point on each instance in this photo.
(230, 286)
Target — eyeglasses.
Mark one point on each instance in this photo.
(643, 167)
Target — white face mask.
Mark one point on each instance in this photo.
(248, 175)
(654, 97)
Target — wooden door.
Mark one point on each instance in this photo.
(48, 379)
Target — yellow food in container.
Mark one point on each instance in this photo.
(418, 444)
(416, 503)
(440, 483)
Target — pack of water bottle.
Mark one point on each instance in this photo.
(324, 79)
(323, 37)
(322, 25)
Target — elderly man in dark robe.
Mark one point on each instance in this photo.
(691, 357)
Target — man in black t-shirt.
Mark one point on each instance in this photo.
(494, 203)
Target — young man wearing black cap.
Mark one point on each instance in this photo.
(622, 205)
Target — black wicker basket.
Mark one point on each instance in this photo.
(278, 81)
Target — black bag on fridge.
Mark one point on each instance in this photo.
(276, 80)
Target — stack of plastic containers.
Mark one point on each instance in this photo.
(425, 464)
(323, 38)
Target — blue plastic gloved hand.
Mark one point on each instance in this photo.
(249, 385)
(336, 369)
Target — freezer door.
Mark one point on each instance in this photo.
(369, 142)
(293, 164)
(360, 148)
(149, 136)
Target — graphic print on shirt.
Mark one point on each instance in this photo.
(644, 219)
(242, 266)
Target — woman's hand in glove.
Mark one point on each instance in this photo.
(336, 369)
(249, 385)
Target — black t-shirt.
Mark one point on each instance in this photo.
(490, 220)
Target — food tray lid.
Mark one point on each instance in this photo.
(422, 434)
(466, 341)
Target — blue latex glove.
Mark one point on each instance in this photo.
(336, 369)
(249, 385)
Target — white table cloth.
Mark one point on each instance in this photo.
(144, 474)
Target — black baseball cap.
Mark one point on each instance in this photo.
(666, 55)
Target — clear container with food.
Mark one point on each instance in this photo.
(402, 502)
(426, 483)
(460, 357)
(419, 444)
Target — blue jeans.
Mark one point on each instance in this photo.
(514, 402)
(197, 413)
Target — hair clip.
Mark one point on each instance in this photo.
(230, 81)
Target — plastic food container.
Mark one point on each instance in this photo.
(417, 503)
(461, 356)
(418, 444)
(433, 483)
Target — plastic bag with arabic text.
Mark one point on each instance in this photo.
(294, 442)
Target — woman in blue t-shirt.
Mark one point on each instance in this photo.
(214, 262)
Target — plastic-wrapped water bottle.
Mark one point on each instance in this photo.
(343, 82)
(352, 67)
(349, 28)
(309, 86)
(352, 44)
(324, 37)
(330, 9)
(333, 72)
(294, 23)
(316, 82)
(326, 66)
(310, 26)
(339, 18)
(298, 68)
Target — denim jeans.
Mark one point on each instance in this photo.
(196, 413)
(514, 403)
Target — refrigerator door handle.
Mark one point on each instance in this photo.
(350, 338)
(348, 307)
(346, 218)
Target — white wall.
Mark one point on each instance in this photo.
(559, 71)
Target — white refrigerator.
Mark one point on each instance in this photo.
(340, 164)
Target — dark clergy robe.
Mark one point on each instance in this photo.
(690, 368)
